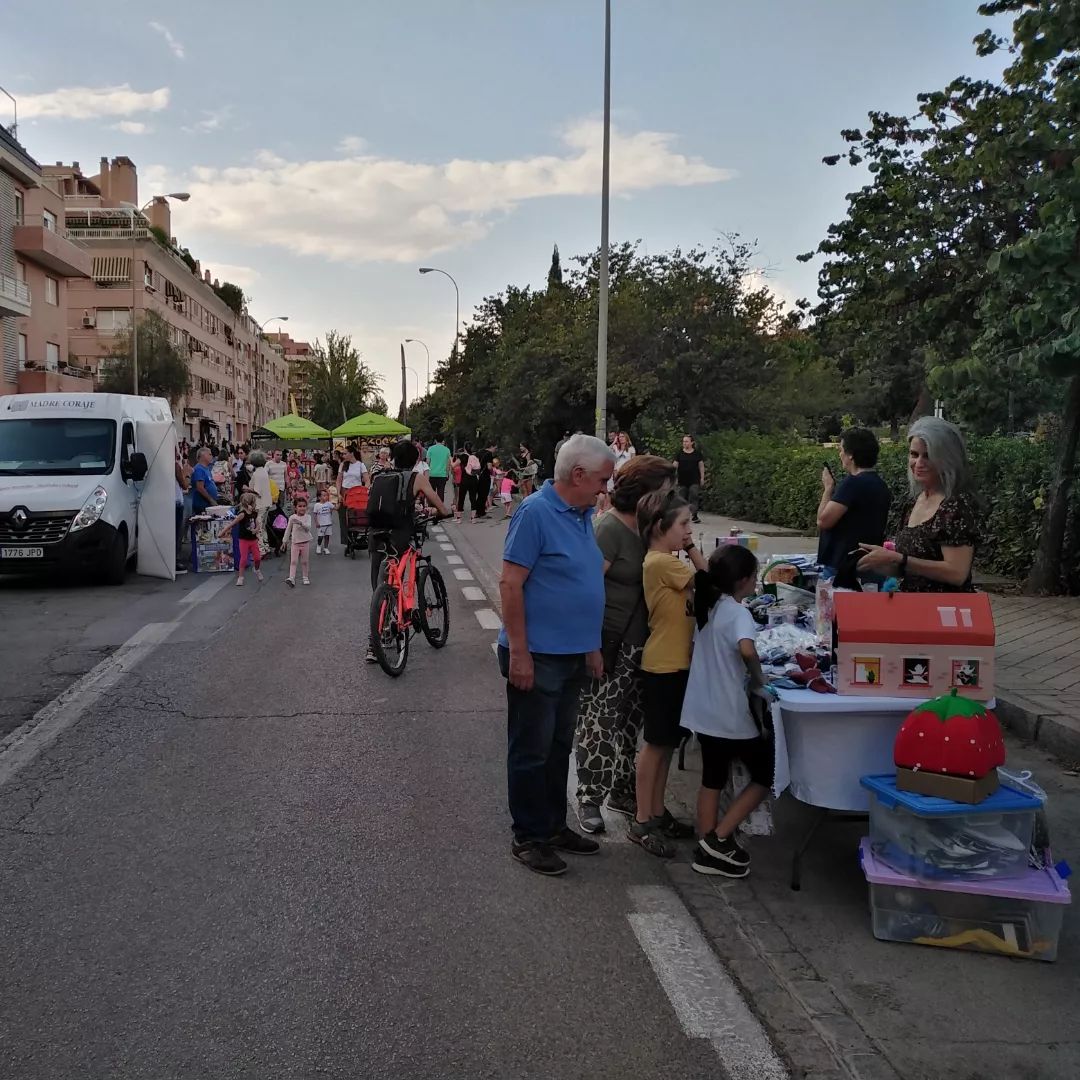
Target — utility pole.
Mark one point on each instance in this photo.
(404, 391)
(605, 189)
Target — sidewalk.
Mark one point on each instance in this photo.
(1038, 645)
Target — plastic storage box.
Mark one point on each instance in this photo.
(1018, 917)
(939, 840)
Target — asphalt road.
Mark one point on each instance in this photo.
(252, 855)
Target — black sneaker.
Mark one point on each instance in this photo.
(570, 841)
(181, 569)
(592, 821)
(370, 656)
(721, 856)
(539, 858)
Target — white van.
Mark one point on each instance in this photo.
(69, 464)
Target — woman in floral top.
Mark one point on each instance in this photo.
(939, 530)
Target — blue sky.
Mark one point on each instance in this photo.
(334, 146)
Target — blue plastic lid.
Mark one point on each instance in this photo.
(1006, 800)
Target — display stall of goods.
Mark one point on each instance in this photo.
(792, 579)
(1020, 916)
(213, 550)
(914, 645)
(938, 840)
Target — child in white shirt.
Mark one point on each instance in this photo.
(324, 521)
(298, 535)
(724, 668)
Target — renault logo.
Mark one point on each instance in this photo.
(20, 518)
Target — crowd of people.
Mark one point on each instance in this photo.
(620, 638)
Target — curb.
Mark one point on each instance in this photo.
(1054, 732)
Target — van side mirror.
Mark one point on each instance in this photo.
(137, 468)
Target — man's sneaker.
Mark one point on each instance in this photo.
(181, 569)
(539, 858)
(721, 857)
(568, 840)
(623, 804)
(592, 821)
(371, 658)
(674, 829)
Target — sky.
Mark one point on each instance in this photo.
(333, 147)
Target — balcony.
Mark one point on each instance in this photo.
(106, 233)
(42, 381)
(53, 250)
(14, 297)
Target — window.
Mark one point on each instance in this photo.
(49, 220)
(127, 443)
(18, 207)
(113, 318)
(52, 291)
(148, 275)
(22, 350)
(20, 271)
(60, 446)
(52, 355)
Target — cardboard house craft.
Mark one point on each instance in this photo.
(916, 645)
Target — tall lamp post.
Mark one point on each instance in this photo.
(605, 189)
(179, 196)
(258, 338)
(457, 300)
(417, 341)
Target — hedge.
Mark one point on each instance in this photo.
(769, 480)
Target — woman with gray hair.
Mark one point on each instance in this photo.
(260, 484)
(939, 526)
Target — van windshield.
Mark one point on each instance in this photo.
(57, 447)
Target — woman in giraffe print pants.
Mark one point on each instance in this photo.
(610, 715)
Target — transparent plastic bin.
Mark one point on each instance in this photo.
(938, 840)
(1019, 918)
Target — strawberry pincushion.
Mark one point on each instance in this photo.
(951, 735)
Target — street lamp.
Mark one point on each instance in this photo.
(258, 338)
(179, 196)
(605, 188)
(457, 299)
(417, 341)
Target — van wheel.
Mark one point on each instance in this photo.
(117, 561)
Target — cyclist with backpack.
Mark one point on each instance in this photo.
(391, 507)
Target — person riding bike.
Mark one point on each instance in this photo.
(392, 508)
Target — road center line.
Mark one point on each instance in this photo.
(703, 995)
(474, 593)
(488, 619)
(454, 560)
(462, 574)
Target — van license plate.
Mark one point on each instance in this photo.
(22, 553)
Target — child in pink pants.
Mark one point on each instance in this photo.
(246, 524)
(298, 534)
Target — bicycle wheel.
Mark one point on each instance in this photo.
(389, 638)
(434, 606)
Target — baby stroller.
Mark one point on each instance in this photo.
(356, 520)
(276, 522)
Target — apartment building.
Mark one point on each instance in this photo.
(299, 358)
(238, 379)
(37, 261)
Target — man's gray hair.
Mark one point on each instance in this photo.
(947, 453)
(582, 451)
(256, 459)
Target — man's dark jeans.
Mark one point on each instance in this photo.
(540, 735)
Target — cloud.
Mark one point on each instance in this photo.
(92, 103)
(352, 144)
(243, 276)
(133, 127)
(367, 208)
(175, 47)
(213, 120)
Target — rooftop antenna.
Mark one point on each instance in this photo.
(15, 108)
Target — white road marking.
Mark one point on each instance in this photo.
(447, 547)
(438, 530)
(41, 730)
(207, 590)
(488, 619)
(454, 560)
(706, 1001)
(462, 574)
(472, 592)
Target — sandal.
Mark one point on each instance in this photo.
(647, 836)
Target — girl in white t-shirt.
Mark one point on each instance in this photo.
(724, 672)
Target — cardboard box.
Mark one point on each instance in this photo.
(914, 645)
(942, 786)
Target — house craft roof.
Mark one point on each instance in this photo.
(915, 618)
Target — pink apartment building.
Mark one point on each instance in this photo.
(298, 356)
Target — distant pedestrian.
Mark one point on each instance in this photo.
(691, 475)
(552, 592)
(324, 521)
(204, 490)
(438, 457)
(275, 469)
(246, 524)
(298, 540)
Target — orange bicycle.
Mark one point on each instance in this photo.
(411, 598)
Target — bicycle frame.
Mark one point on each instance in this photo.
(401, 573)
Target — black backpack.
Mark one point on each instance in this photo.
(388, 500)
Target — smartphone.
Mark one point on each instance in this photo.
(829, 468)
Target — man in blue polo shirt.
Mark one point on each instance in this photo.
(552, 592)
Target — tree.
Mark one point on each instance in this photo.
(555, 278)
(232, 296)
(164, 371)
(341, 384)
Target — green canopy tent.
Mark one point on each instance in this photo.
(369, 425)
(291, 426)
